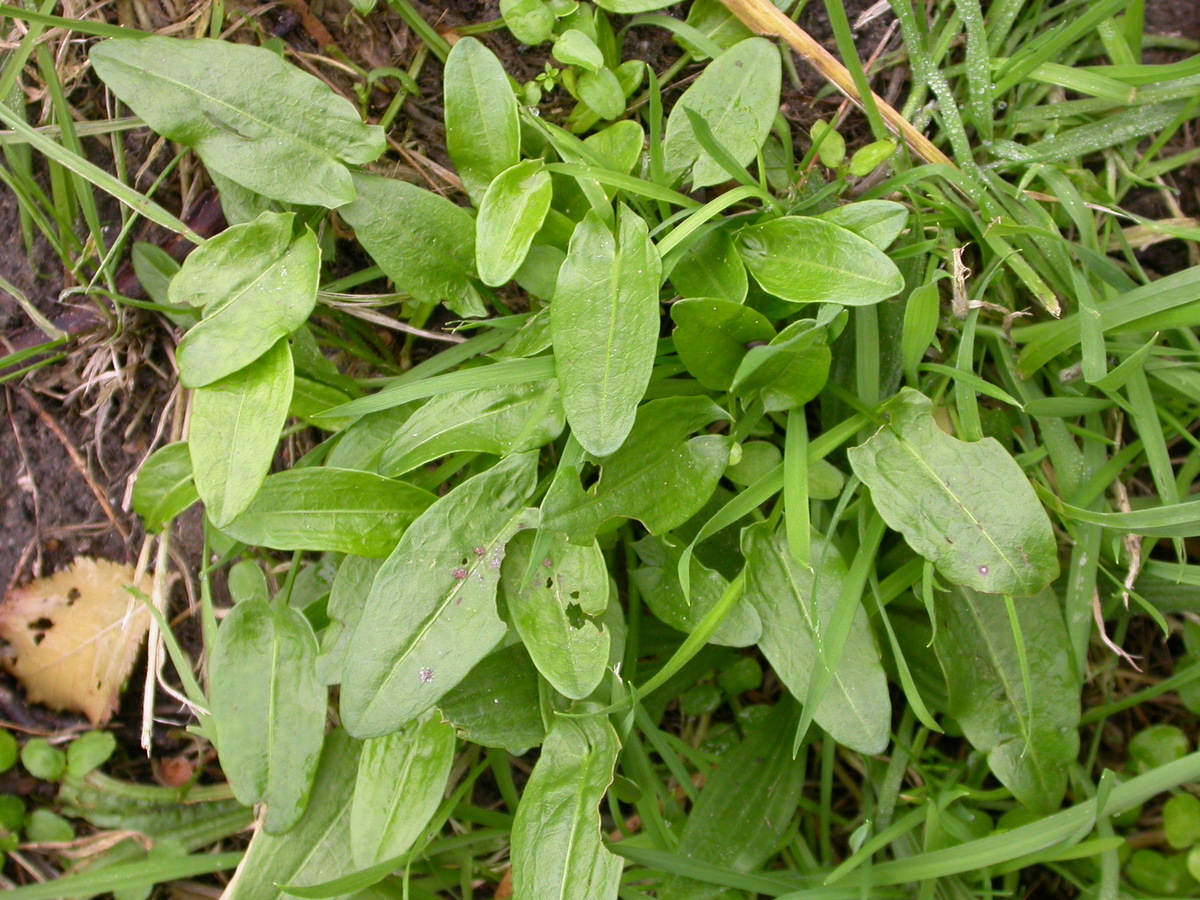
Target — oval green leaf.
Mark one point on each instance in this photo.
(497, 704)
(738, 96)
(234, 428)
(789, 371)
(423, 242)
(291, 142)
(604, 319)
(796, 604)
(500, 420)
(401, 780)
(711, 268)
(808, 260)
(252, 296)
(658, 583)
(1027, 727)
(511, 213)
(556, 847)
(431, 614)
(966, 507)
(556, 614)
(336, 510)
(658, 452)
(483, 135)
(712, 337)
(164, 486)
(268, 707)
(878, 221)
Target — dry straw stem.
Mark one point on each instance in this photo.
(764, 18)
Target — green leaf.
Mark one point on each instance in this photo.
(423, 242)
(601, 91)
(658, 583)
(556, 614)
(255, 284)
(500, 420)
(878, 221)
(796, 604)
(530, 21)
(574, 48)
(328, 509)
(738, 96)
(164, 486)
(89, 751)
(291, 141)
(347, 597)
(268, 707)
(832, 148)
(317, 850)
(714, 21)
(604, 319)
(966, 507)
(808, 260)
(629, 7)
(498, 703)
(712, 337)
(420, 634)
(401, 780)
(483, 135)
(867, 159)
(657, 455)
(234, 428)
(512, 211)
(556, 847)
(728, 828)
(711, 268)
(154, 268)
(1028, 729)
(789, 371)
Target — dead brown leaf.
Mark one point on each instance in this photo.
(73, 637)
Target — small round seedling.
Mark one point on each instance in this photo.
(9, 750)
(43, 761)
(1156, 746)
(1181, 821)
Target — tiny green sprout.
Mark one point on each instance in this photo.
(43, 761)
(1156, 746)
(756, 460)
(1193, 862)
(1148, 871)
(744, 675)
(9, 750)
(574, 48)
(45, 827)
(1181, 821)
(870, 157)
(88, 752)
(701, 700)
(831, 146)
(12, 813)
(530, 21)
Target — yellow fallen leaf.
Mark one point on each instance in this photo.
(73, 637)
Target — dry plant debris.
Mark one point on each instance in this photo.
(73, 637)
